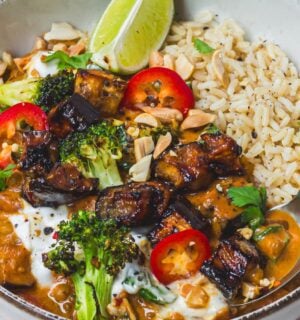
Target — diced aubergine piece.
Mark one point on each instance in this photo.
(134, 204)
(40, 151)
(222, 154)
(233, 259)
(271, 240)
(64, 184)
(181, 215)
(102, 89)
(185, 166)
(74, 114)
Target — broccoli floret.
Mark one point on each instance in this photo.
(45, 92)
(95, 152)
(102, 249)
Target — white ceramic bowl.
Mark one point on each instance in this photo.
(22, 20)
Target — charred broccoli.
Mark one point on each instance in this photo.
(93, 252)
(95, 152)
(45, 92)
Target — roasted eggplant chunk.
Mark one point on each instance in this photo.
(74, 114)
(40, 151)
(223, 154)
(229, 265)
(102, 89)
(186, 167)
(180, 215)
(63, 185)
(134, 204)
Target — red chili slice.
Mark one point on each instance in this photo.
(11, 121)
(158, 87)
(179, 255)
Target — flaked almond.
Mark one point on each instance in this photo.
(197, 120)
(197, 297)
(76, 48)
(62, 31)
(3, 66)
(40, 44)
(60, 47)
(147, 119)
(165, 115)
(168, 61)
(142, 147)
(162, 144)
(140, 172)
(219, 68)
(156, 59)
(7, 58)
(184, 67)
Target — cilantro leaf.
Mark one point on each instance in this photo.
(202, 46)
(212, 129)
(5, 174)
(248, 195)
(66, 62)
(252, 216)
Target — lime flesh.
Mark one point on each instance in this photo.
(128, 32)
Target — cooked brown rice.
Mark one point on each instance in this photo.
(258, 105)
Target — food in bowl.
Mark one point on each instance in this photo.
(147, 195)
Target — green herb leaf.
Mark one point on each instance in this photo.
(67, 62)
(212, 129)
(248, 195)
(253, 216)
(202, 46)
(5, 174)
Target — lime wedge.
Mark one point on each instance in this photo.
(128, 32)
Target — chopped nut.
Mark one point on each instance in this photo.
(14, 147)
(3, 66)
(197, 297)
(219, 69)
(7, 58)
(168, 62)
(142, 147)
(265, 282)
(60, 47)
(140, 171)
(62, 31)
(250, 291)
(219, 187)
(77, 48)
(165, 115)
(40, 44)
(183, 67)
(162, 144)
(148, 119)
(133, 132)
(197, 119)
(247, 233)
(156, 59)
(173, 153)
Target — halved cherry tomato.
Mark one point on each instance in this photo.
(179, 255)
(11, 121)
(158, 87)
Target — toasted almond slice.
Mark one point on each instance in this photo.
(168, 62)
(219, 69)
(77, 48)
(156, 59)
(162, 144)
(62, 31)
(140, 172)
(197, 297)
(184, 67)
(148, 119)
(142, 147)
(60, 47)
(3, 66)
(7, 58)
(197, 120)
(40, 44)
(165, 115)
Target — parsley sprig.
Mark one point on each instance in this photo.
(253, 201)
(67, 62)
(202, 46)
